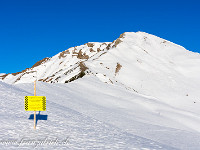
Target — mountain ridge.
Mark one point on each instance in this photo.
(93, 47)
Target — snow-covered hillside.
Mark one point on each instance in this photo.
(139, 91)
(89, 114)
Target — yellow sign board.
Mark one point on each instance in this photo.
(35, 103)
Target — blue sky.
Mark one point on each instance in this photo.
(33, 29)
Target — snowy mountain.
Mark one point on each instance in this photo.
(137, 92)
(140, 62)
(132, 53)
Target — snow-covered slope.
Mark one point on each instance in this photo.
(92, 115)
(139, 91)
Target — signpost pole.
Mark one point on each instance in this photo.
(34, 111)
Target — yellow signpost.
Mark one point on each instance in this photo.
(35, 103)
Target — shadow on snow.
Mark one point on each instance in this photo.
(38, 117)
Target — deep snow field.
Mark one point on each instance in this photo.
(90, 114)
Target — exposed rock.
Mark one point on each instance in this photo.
(107, 68)
(83, 66)
(118, 67)
(80, 75)
(18, 78)
(4, 76)
(82, 56)
(90, 44)
(98, 49)
(48, 79)
(91, 50)
(14, 74)
(145, 51)
(109, 46)
(57, 78)
(116, 42)
(40, 62)
(74, 51)
(62, 54)
(122, 35)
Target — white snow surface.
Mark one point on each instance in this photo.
(139, 92)
(93, 115)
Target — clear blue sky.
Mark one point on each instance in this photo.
(33, 29)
